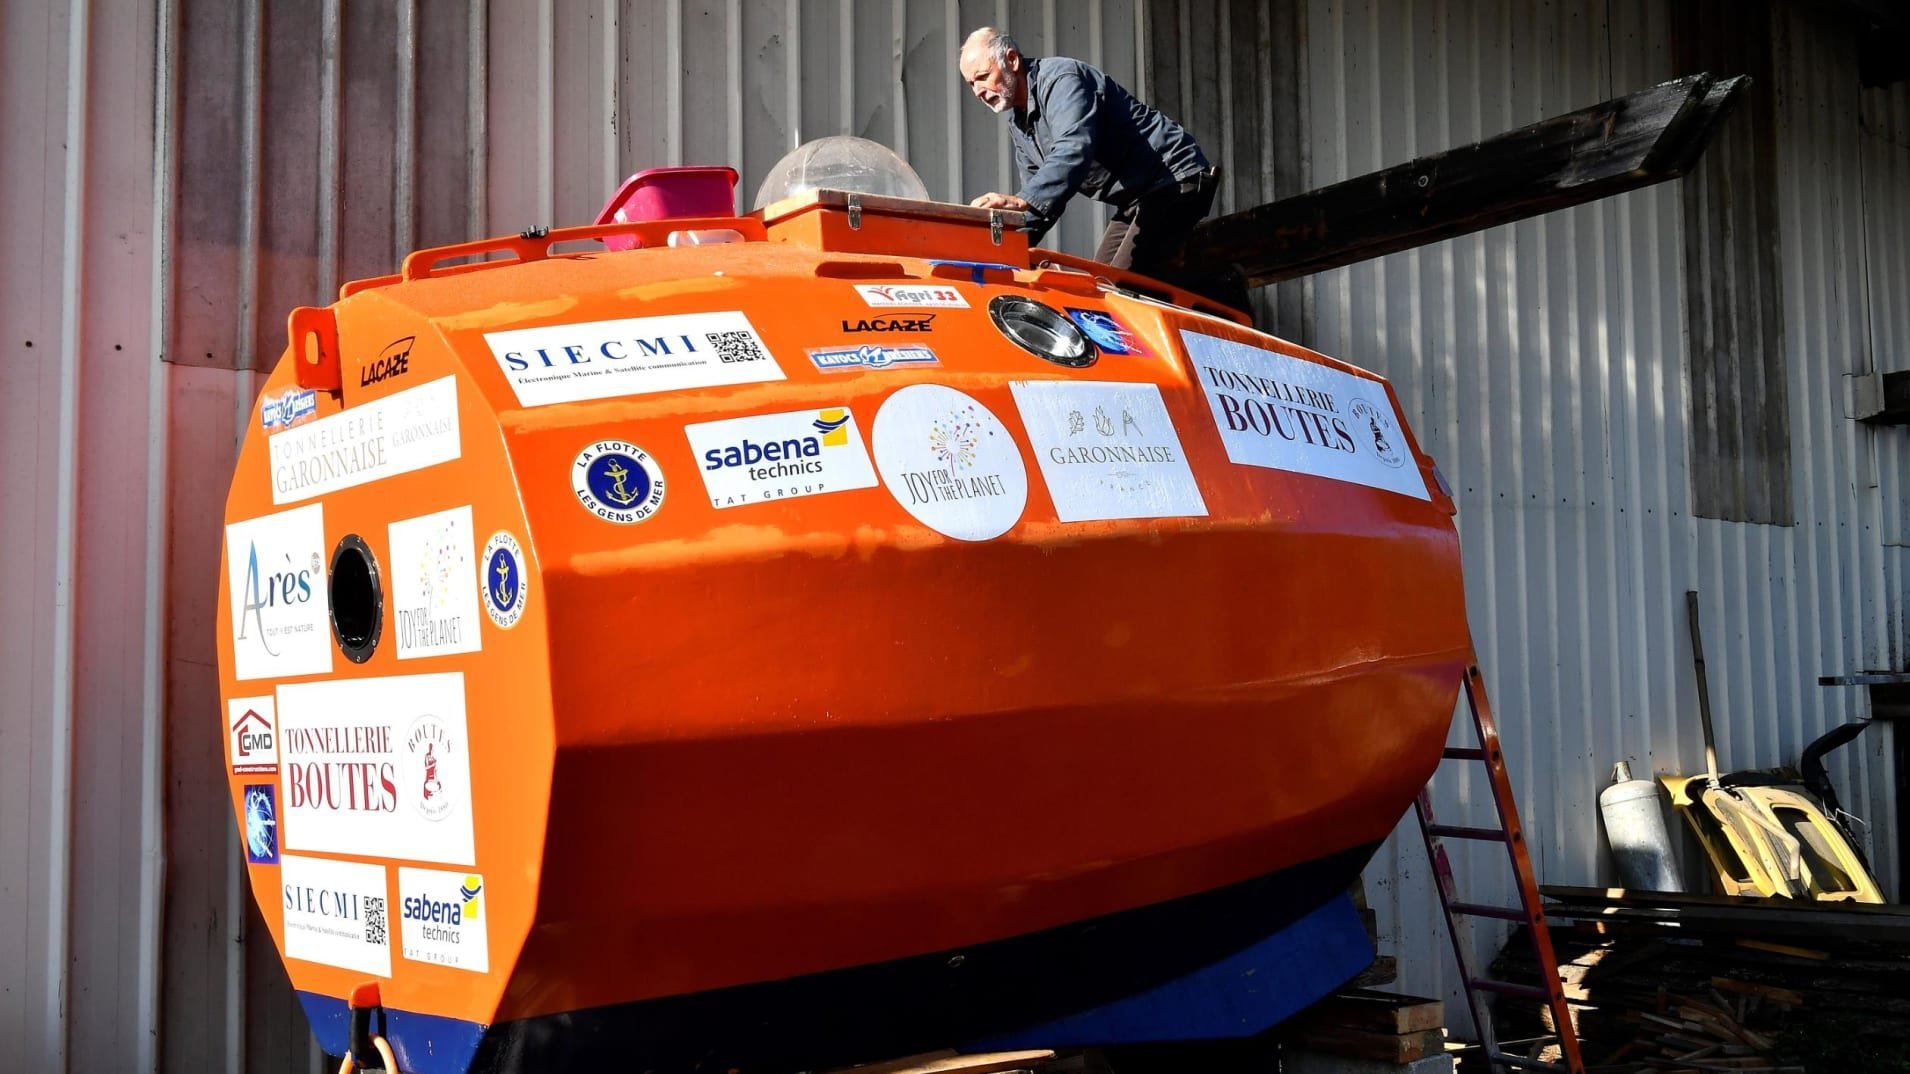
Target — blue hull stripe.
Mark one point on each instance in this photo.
(1224, 964)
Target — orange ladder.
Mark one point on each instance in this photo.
(1529, 910)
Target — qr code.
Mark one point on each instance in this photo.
(375, 920)
(736, 346)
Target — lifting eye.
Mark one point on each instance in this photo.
(1042, 331)
(358, 602)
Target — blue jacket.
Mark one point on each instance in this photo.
(1081, 131)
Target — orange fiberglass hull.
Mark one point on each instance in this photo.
(615, 629)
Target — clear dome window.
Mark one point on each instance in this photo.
(841, 162)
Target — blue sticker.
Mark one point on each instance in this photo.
(977, 270)
(261, 824)
(871, 357)
(286, 409)
(1107, 332)
(617, 481)
(503, 579)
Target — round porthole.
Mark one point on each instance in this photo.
(358, 601)
(1042, 331)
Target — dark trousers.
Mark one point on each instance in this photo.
(1149, 233)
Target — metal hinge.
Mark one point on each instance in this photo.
(994, 225)
(855, 211)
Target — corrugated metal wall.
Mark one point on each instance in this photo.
(1886, 198)
(82, 519)
(325, 141)
(181, 172)
(1544, 363)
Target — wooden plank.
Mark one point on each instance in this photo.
(1385, 1047)
(1380, 1012)
(948, 1062)
(1609, 148)
(1782, 949)
(1384, 970)
(1781, 996)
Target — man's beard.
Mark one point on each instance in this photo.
(1010, 89)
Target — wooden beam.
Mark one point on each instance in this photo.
(1895, 401)
(1875, 15)
(1733, 915)
(1619, 145)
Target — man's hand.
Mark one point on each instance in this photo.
(1002, 201)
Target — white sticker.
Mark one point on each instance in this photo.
(404, 431)
(377, 767)
(777, 456)
(506, 584)
(950, 462)
(281, 611)
(1107, 450)
(434, 585)
(1286, 413)
(252, 735)
(335, 913)
(889, 294)
(568, 363)
(441, 919)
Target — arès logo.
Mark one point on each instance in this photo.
(271, 589)
(393, 361)
(278, 606)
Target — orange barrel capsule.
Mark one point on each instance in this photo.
(843, 636)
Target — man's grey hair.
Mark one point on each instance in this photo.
(999, 44)
(1002, 45)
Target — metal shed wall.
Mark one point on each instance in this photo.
(82, 517)
(181, 172)
(1885, 148)
(1545, 364)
